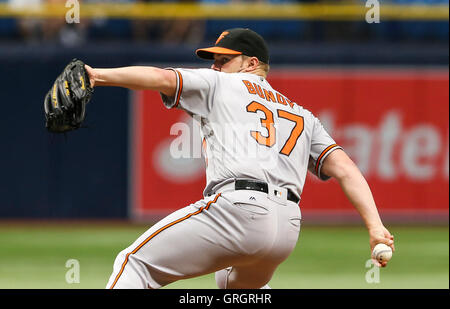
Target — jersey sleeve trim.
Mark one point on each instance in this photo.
(171, 102)
(179, 88)
(322, 157)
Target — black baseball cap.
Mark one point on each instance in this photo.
(237, 41)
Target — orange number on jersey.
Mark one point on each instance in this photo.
(267, 123)
(296, 131)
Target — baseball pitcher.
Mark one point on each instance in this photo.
(258, 145)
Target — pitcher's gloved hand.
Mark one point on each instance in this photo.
(65, 103)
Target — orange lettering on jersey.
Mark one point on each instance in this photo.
(269, 96)
(295, 133)
(249, 86)
(266, 122)
(291, 104)
(280, 99)
(259, 91)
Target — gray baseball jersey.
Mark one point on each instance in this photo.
(249, 131)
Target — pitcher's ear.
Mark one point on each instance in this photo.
(253, 62)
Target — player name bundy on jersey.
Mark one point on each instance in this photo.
(268, 95)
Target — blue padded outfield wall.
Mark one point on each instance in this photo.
(80, 175)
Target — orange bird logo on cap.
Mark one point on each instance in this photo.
(222, 36)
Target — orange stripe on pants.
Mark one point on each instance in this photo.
(159, 231)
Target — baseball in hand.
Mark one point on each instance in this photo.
(382, 253)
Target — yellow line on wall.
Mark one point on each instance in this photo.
(326, 12)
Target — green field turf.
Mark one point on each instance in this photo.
(34, 256)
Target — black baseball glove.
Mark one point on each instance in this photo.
(65, 103)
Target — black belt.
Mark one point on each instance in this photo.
(244, 184)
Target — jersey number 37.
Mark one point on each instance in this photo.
(268, 123)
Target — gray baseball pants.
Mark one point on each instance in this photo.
(242, 236)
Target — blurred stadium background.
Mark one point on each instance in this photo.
(381, 89)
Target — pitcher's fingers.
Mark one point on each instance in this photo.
(91, 75)
(376, 263)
